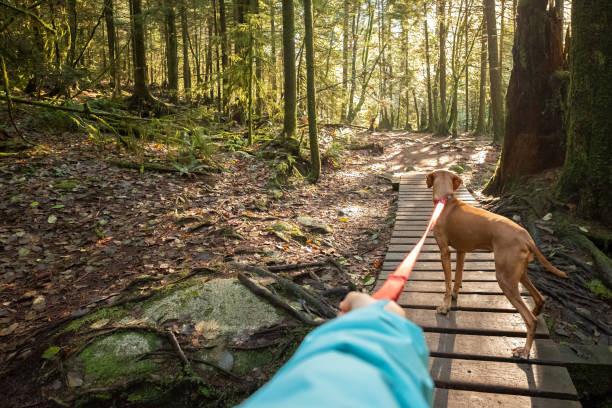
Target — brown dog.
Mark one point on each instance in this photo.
(467, 228)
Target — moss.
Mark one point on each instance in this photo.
(66, 185)
(112, 314)
(146, 393)
(113, 357)
(600, 289)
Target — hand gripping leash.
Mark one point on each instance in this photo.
(392, 288)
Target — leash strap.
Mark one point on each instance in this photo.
(392, 288)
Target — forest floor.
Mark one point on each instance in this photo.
(76, 229)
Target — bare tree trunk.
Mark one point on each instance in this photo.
(482, 98)
(224, 54)
(442, 127)
(290, 87)
(345, 34)
(141, 91)
(315, 159)
(112, 57)
(171, 51)
(430, 120)
(72, 24)
(494, 73)
(273, 46)
(467, 70)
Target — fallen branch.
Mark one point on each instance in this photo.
(289, 267)
(177, 347)
(274, 300)
(9, 103)
(324, 309)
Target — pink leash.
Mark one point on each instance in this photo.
(392, 288)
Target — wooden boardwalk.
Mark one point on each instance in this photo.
(471, 358)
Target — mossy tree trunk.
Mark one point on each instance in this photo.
(290, 87)
(587, 171)
(494, 72)
(442, 125)
(536, 100)
(186, 66)
(315, 158)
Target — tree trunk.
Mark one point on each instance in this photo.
(345, 34)
(442, 125)
(585, 179)
(354, 30)
(186, 67)
(430, 121)
(289, 121)
(482, 97)
(141, 91)
(109, 16)
(171, 51)
(467, 70)
(535, 131)
(273, 47)
(494, 73)
(224, 54)
(313, 137)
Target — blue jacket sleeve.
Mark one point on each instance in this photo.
(369, 357)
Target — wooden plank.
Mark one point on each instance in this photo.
(469, 322)
(485, 288)
(488, 348)
(468, 276)
(501, 377)
(448, 398)
(392, 260)
(432, 247)
(496, 303)
(405, 249)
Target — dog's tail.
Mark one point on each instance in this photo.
(545, 262)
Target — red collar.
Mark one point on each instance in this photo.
(444, 200)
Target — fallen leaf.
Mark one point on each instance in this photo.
(9, 330)
(50, 352)
(52, 219)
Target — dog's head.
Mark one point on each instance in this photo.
(443, 182)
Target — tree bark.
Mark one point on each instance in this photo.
(535, 131)
(109, 16)
(141, 91)
(442, 125)
(315, 159)
(290, 84)
(171, 51)
(585, 179)
(224, 54)
(345, 34)
(430, 120)
(494, 73)
(273, 47)
(186, 67)
(73, 26)
(482, 97)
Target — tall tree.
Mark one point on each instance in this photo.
(315, 159)
(494, 73)
(345, 35)
(141, 91)
(482, 96)
(585, 179)
(171, 50)
(186, 67)
(290, 87)
(430, 120)
(535, 132)
(224, 54)
(442, 125)
(109, 17)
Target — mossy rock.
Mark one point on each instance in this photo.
(287, 231)
(66, 185)
(314, 224)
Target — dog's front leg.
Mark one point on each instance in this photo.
(458, 273)
(446, 265)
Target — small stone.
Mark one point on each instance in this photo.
(39, 304)
(74, 380)
(56, 385)
(226, 361)
(80, 312)
(8, 277)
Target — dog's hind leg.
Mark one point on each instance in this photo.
(458, 273)
(535, 294)
(508, 280)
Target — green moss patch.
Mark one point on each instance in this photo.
(114, 357)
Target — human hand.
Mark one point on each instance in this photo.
(357, 300)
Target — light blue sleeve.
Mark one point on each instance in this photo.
(369, 357)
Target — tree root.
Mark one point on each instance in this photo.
(274, 300)
(318, 303)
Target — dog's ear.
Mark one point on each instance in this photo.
(456, 181)
(430, 178)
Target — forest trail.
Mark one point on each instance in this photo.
(471, 348)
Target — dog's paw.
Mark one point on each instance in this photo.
(520, 352)
(442, 309)
(454, 294)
